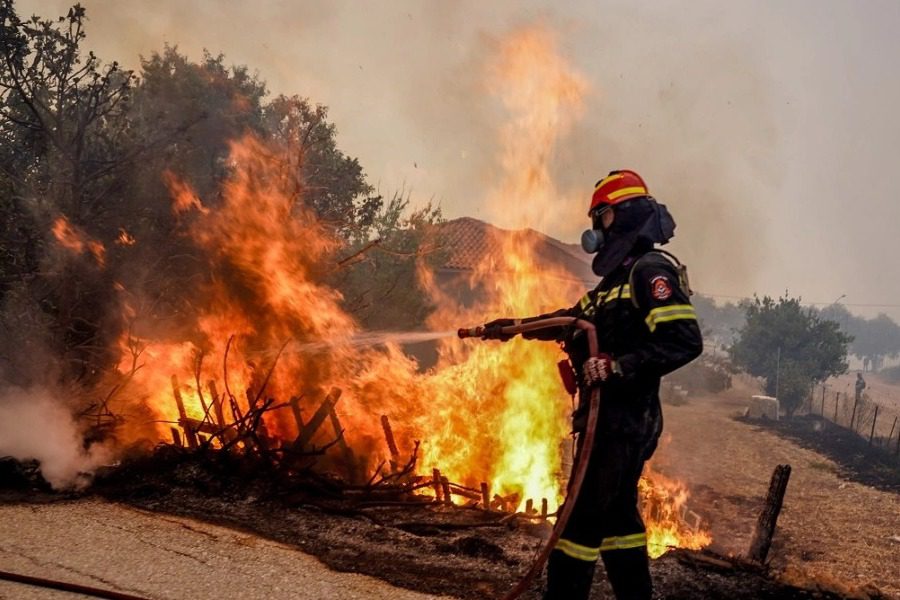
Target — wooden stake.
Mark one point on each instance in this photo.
(853, 416)
(874, 420)
(182, 414)
(176, 437)
(485, 496)
(298, 416)
(392, 444)
(529, 506)
(768, 517)
(436, 484)
(176, 392)
(217, 403)
(318, 418)
(445, 486)
(891, 434)
(349, 457)
(544, 510)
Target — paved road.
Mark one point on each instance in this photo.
(91, 542)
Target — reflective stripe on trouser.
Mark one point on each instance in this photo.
(605, 522)
(587, 553)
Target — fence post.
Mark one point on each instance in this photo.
(853, 416)
(822, 412)
(874, 420)
(836, 404)
(891, 434)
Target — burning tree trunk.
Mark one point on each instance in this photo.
(765, 527)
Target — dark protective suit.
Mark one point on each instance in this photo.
(645, 321)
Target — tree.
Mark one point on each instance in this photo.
(381, 287)
(88, 143)
(873, 339)
(64, 152)
(718, 323)
(790, 346)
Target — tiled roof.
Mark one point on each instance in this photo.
(467, 241)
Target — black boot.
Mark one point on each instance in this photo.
(568, 578)
(629, 573)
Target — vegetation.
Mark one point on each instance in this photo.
(873, 339)
(791, 347)
(88, 142)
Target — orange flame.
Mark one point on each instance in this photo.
(76, 241)
(670, 524)
(125, 238)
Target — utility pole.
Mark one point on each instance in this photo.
(777, 370)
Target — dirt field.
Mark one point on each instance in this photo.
(830, 529)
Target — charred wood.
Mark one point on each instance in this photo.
(768, 517)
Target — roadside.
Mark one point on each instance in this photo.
(115, 547)
(831, 529)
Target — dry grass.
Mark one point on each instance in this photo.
(830, 529)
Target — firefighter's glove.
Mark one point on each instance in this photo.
(492, 330)
(599, 369)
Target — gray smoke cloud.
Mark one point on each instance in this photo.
(36, 425)
(768, 128)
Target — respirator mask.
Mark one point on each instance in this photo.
(593, 240)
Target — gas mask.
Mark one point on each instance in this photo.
(593, 240)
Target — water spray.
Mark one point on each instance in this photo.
(371, 338)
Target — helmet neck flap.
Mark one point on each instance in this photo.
(639, 223)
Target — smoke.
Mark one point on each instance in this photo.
(36, 425)
(688, 105)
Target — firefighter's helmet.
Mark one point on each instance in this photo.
(617, 187)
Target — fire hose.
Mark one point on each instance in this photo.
(66, 586)
(587, 442)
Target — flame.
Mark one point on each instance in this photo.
(491, 413)
(665, 511)
(77, 241)
(125, 238)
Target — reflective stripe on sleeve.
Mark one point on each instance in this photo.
(624, 542)
(672, 312)
(577, 551)
(620, 291)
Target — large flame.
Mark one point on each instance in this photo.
(491, 413)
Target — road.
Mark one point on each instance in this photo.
(109, 546)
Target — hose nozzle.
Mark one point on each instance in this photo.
(468, 332)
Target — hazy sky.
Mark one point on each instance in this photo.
(768, 128)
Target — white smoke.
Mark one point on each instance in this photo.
(35, 425)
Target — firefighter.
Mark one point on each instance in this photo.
(646, 328)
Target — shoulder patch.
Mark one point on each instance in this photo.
(660, 287)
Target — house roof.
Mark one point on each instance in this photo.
(467, 241)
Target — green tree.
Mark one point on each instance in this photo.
(789, 346)
(380, 281)
(65, 150)
(90, 142)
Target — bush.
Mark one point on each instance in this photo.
(705, 375)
